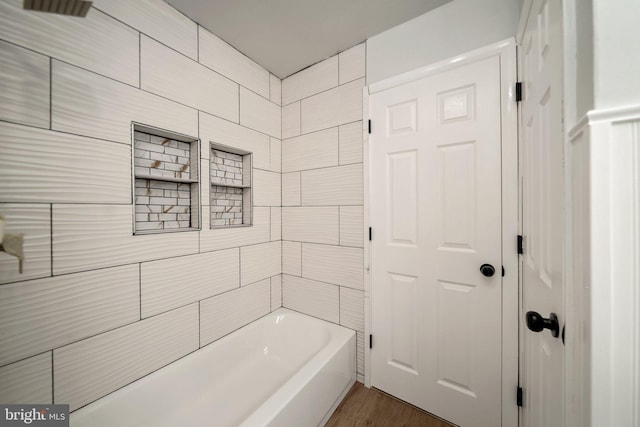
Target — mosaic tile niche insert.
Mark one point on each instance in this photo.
(230, 188)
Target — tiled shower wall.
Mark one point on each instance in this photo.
(98, 307)
(322, 191)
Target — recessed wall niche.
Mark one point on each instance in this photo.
(165, 181)
(230, 177)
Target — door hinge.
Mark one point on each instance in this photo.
(370, 341)
(369, 126)
(503, 271)
(370, 233)
(520, 245)
(518, 91)
(519, 393)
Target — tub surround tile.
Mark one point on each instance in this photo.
(352, 226)
(276, 154)
(84, 103)
(223, 238)
(41, 314)
(98, 42)
(352, 63)
(156, 19)
(24, 86)
(38, 165)
(292, 258)
(342, 185)
(260, 114)
(334, 107)
(259, 262)
(315, 79)
(34, 221)
(275, 89)
(318, 225)
(225, 313)
(291, 120)
(352, 308)
(266, 188)
(89, 369)
(310, 297)
(311, 151)
(170, 283)
(291, 189)
(276, 223)
(360, 353)
(170, 74)
(351, 143)
(226, 60)
(333, 264)
(28, 380)
(276, 292)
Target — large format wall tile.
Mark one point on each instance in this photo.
(157, 19)
(351, 143)
(292, 258)
(275, 89)
(291, 189)
(170, 74)
(351, 226)
(24, 86)
(276, 292)
(333, 264)
(170, 283)
(87, 104)
(258, 262)
(276, 223)
(98, 42)
(260, 114)
(44, 166)
(352, 308)
(34, 221)
(310, 297)
(332, 108)
(28, 380)
(352, 63)
(266, 188)
(42, 314)
(89, 369)
(317, 78)
(291, 120)
(333, 186)
(310, 151)
(318, 225)
(93, 236)
(276, 154)
(222, 238)
(226, 60)
(225, 313)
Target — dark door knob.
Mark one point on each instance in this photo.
(487, 270)
(537, 323)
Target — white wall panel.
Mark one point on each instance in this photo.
(226, 60)
(312, 298)
(291, 120)
(291, 189)
(93, 236)
(260, 114)
(42, 314)
(352, 63)
(87, 370)
(276, 223)
(351, 143)
(87, 104)
(98, 42)
(258, 262)
(275, 89)
(24, 86)
(352, 308)
(333, 264)
(276, 292)
(28, 380)
(39, 165)
(334, 107)
(310, 151)
(174, 76)
(170, 283)
(292, 258)
(317, 78)
(333, 186)
(351, 226)
(318, 225)
(266, 188)
(34, 221)
(222, 238)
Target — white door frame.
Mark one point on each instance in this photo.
(506, 51)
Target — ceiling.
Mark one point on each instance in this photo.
(285, 36)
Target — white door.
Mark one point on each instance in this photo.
(541, 167)
(436, 216)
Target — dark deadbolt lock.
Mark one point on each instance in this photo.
(487, 270)
(537, 323)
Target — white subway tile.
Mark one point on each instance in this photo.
(276, 223)
(170, 283)
(258, 262)
(310, 151)
(333, 264)
(28, 380)
(170, 74)
(360, 353)
(351, 226)
(352, 308)
(276, 292)
(317, 78)
(291, 189)
(98, 42)
(332, 108)
(291, 120)
(219, 131)
(318, 225)
(34, 221)
(38, 165)
(351, 143)
(275, 90)
(292, 258)
(259, 113)
(266, 188)
(352, 63)
(333, 186)
(222, 238)
(311, 297)
(225, 313)
(157, 19)
(24, 86)
(226, 60)
(88, 104)
(89, 369)
(41, 314)
(93, 236)
(276, 154)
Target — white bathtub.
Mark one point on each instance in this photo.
(285, 369)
